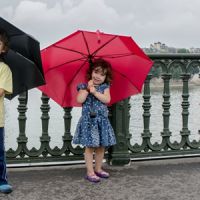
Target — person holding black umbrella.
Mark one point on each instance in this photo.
(6, 87)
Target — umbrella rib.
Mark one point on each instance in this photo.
(57, 66)
(19, 34)
(77, 71)
(75, 76)
(93, 54)
(87, 46)
(116, 55)
(72, 50)
(125, 77)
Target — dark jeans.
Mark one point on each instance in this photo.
(3, 174)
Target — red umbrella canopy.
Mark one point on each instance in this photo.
(66, 62)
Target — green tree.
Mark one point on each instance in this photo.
(183, 50)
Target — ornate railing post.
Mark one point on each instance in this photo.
(45, 138)
(166, 106)
(120, 121)
(67, 138)
(185, 105)
(22, 108)
(146, 107)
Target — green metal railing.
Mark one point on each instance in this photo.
(119, 116)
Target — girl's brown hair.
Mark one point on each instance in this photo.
(104, 65)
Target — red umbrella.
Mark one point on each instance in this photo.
(65, 64)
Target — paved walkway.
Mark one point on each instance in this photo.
(177, 179)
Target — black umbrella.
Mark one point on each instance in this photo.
(23, 58)
(25, 73)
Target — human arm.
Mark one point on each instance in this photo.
(82, 95)
(2, 92)
(6, 85)
(104, 98)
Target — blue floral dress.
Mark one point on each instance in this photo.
(94, 131)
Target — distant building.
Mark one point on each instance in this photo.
(194, 50)
(159, 47)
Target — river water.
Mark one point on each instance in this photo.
(56, 123)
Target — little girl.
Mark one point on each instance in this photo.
(94, 130)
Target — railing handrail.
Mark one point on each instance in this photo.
(174, 55)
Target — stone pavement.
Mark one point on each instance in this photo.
(171, 179)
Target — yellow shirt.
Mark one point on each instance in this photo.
(6, 84)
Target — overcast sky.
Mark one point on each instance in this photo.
(173, 22)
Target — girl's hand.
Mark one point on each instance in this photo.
(91, 87)
(92, 90)
(90, 84)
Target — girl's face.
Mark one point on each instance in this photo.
(98, 76)
(2, 47)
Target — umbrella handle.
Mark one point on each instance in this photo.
(90, 60)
